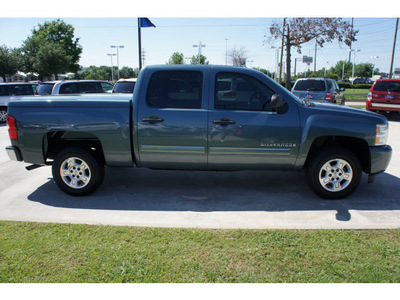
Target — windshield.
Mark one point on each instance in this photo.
(45, 89)
(384, 86)
(124, 87)
(310, 85)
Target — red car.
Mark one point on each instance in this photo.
(384, 96)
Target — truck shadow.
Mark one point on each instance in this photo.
(149, 190)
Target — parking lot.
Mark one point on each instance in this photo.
(142, 197)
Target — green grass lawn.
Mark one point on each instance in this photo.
(356, 94)
(35, 252)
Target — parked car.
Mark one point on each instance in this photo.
(319, 90)
(362, 80)
(74, 87)
(13, 90)
(125, 85)
(384, 96)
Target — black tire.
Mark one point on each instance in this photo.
(3, 115)
(334, 173)
(343, 101)
(82, 172)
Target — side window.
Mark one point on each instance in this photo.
(3, 90)
(20, 90)
(237, 91)
(175, 89)
(90, 87)
(69, 88)
(107, 88)
(329, 85)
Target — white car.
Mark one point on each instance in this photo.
(13, 91)
(125, 85)
(74, 87)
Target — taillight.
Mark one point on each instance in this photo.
(328, 97)
(12, 127)
(369, 98)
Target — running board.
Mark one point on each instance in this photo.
(33, 167)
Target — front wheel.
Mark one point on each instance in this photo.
(77, 172)
(334, 173)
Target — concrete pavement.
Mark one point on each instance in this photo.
(141, 197)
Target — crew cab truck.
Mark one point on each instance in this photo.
(198, 118)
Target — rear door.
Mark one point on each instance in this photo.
(172, 118)
(244, 132)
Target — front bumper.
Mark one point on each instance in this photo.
(14, 153)
(380, 158)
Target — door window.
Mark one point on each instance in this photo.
(235, 91)
(175, 89)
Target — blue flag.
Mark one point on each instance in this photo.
(145, 22)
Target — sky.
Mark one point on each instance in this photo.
(219, 31)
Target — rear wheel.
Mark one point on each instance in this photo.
(334, 173)
(77, 172)
(3, 115)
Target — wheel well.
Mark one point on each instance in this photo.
(358, 146)
(54, 142)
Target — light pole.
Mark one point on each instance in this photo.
(276, 60)
(326, 64)
(354, 59)
(373, 65)
(121, 46)
(200, 45)
(112, 68)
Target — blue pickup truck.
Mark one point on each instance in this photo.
(198, 118)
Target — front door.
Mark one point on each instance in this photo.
(244, 132)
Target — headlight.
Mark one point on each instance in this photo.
(382, 132)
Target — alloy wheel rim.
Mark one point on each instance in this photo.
(335, 175)
(75, 172)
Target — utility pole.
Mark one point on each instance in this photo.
(283, 43)
(394, 47)
(352, 19)
(200, 45)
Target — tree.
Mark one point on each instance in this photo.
(199, 61)
(127, 72)
(266, 72)
(297, 31)
(338, 69)
(54, 32)
(51, 59)
(238, 57)
(176, 59)
(364, 70)
(10, 61)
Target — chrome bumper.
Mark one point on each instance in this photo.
(14, 153)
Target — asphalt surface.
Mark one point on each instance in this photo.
(142, 197)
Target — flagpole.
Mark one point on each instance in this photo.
(140, 44)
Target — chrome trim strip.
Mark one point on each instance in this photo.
(175, 149)
(248, 150)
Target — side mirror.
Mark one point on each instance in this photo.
(342, 89)
(278, 104)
